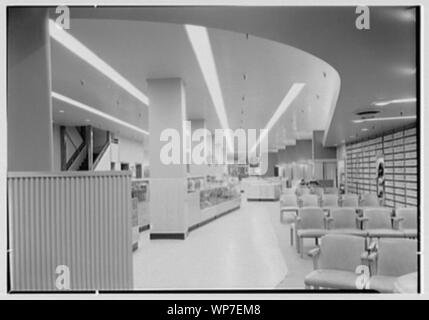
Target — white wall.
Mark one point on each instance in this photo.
(127, 151)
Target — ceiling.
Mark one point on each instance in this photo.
(373, 65)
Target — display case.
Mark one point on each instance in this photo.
(140, 198)
(216, 197)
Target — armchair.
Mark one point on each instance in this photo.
(406, 220)
(343, 221)
(378, 223)
(335, 262)
(392, 258)
(329, 201)
(350, 200)
(310, 223)
(288, 203)
(309, 200)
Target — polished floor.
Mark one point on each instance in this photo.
(246, 249)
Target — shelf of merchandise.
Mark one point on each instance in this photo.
(399, 148)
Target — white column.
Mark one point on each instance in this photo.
(168, 183)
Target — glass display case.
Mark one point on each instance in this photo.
(219, 192)
(140, 200)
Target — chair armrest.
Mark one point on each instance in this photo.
(328, 221)
(396, 222)
(370, 260)
(362, 220)
(297, 222)
(314, 253)
(372, 246)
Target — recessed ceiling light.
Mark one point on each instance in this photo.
(96, 112)
(200, 42)
(385, 119)
(61, 111)
(342, 141)
(385, 103)
(75, 46)
(364, 129)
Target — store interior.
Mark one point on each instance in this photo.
(331, 197)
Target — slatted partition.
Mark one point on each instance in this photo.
(81, 220)
(399, 148)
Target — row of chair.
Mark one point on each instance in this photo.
(346, 262)
(313, 222)
(300, 191)
(292, 202)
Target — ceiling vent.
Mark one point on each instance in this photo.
(367, 113)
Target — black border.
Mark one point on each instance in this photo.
(234, 291)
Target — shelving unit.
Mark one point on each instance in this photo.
(399, 149)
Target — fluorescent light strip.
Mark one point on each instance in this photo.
(385, 103)
(201, 46)
(96, 112)
(284, 105)
(75, 46)
(384, 119)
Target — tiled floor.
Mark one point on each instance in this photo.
(247, 248)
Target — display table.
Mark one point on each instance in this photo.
(259, 189)
(406, 283)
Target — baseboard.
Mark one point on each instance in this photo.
(135, 246)
(144, 228)
(202, 223)
(168, 236)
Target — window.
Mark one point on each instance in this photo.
(125, 166)
(112, 166)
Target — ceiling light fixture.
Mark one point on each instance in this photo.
(385, 119)
(75, 46)
(364, 129)
(284, 105)
(385, 103)
(200, 42)
(96, 112)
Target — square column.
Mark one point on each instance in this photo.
(168, 180)
(29, 106)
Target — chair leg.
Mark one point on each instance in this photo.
(316, 241)
(291, 235)
(301, 247)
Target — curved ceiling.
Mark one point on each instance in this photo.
(254, 73)
(376, 64)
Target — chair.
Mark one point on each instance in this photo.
(331, 190)
(370, 200)
(335, 262)
(329, 201)
(393, 258)
(378, 223)
(343, 221)
(317, 191)
(309, 200)
(406, 220)
(289, 191)
(288, 203)
(350, 200)
(310, 223)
